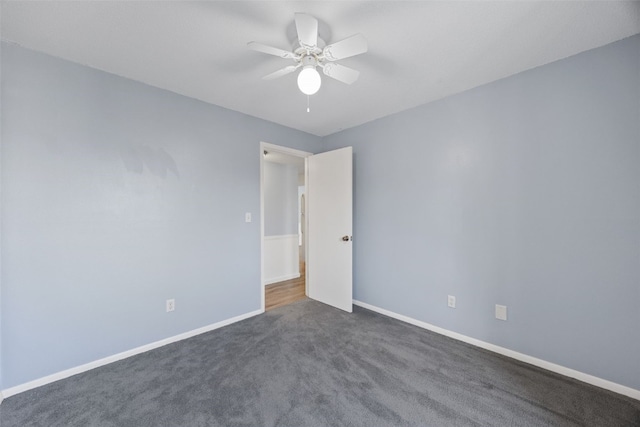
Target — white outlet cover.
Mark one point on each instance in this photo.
(171, 305)
(451, 301)
(247, 217)
(501, 312)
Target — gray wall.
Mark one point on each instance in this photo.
(523, 192)
(1, 238)
(280, 199)
(115, 197)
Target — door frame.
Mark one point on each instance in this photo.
(292, 152)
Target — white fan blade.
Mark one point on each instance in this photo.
(340, 72)
(259, 47)
(352, 46)
(307, 27)
(281, 72)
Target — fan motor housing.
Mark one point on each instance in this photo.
(299, 50)
(309, 60)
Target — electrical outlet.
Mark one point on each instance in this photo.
(501, 312)
(247, 217)
(451, 301)
(171, 305)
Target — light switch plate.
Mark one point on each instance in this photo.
(501, 312)
(247, 217)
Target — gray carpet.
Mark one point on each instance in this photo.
(307, 364)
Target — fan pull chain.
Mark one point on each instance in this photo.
(308, 109)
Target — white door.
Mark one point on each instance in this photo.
(329, 219)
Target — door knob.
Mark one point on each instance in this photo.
(346, 238)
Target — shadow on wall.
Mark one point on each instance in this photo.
(156, 160)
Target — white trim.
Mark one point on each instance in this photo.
(281, 278)
(281, 258)
(1, 397)
(282, 237)
(568, 372)
(283, 150)
(125, 354)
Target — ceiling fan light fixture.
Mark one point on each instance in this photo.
(311, 52)
(309, 80)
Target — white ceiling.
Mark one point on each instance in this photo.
(419, 51)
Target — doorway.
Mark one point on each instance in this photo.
(283, 225)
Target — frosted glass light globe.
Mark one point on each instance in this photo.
(309, 80)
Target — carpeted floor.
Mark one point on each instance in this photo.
(307, 364)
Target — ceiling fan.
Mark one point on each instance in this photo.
(309, 51)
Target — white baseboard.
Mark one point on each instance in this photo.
(587, 378)
(125, 354)
(1, 397)
(281, 278)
